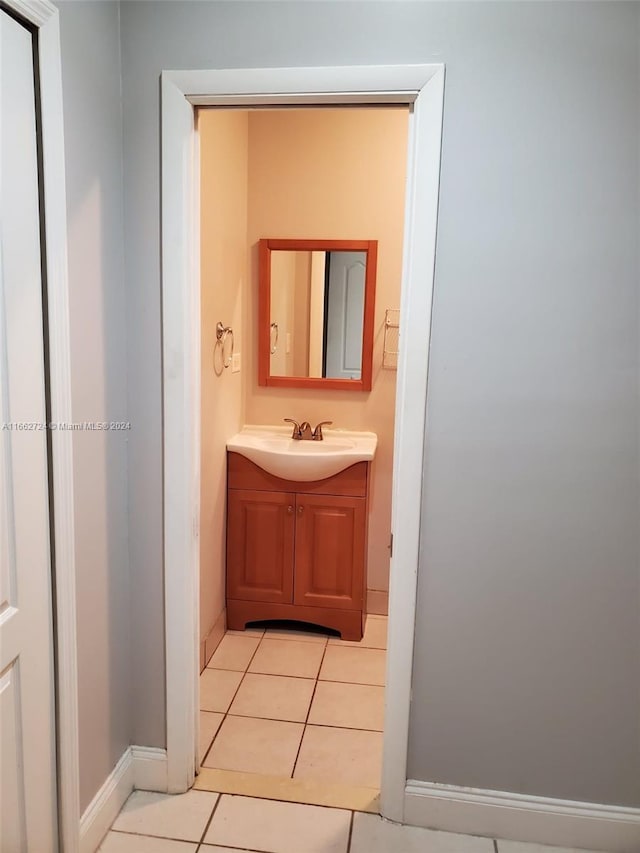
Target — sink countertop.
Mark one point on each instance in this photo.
(274, 450)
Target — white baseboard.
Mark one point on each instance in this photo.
(139, 767)
(149, 769)
(519, 817)
(103, 809)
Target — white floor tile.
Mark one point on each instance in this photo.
(179, 816)
(354, 665)
(120, 842)
(372, 834)
(234, 652)
(352, 706)
(296, 634)
(209, 725)
(288, 657)
(348, 756)
(250, 745)
(273, 697)
(213, 848)
(276, 827)
(217, 689)
(375, 635)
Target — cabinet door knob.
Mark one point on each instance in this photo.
(300, 510)
(289, 509)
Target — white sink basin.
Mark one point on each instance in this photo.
(273, 449)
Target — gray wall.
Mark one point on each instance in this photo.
(93, 141)
(526, 670)
(527, 652)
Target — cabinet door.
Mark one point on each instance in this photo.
(330, 551)
(260, 534)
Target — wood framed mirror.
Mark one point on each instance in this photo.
(316, 313)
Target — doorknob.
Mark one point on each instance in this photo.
(289, 509)
(300, 510)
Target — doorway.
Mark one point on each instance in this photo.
(421, 87)
(309, 712)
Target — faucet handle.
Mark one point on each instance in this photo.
(296, 427)
(317, 433)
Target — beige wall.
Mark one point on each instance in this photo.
(334, 173)
(224, 145)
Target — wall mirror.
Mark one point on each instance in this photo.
(316, 310)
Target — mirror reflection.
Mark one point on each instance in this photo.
(317, 313)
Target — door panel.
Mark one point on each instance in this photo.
(14, 829)
(27, 757)
(330, 551)
(260, 536)
(345, 314)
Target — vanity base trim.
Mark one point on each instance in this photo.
(348, 622)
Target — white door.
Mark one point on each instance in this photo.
(345, 314)
(27, 723)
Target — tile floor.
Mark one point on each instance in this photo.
(303, 706)
(296, 704)
(222, 823)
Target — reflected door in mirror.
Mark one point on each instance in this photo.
(317, 314)
(344, 315)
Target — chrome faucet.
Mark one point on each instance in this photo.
(303, 432)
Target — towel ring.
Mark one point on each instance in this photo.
(222, 333)
(273, 344)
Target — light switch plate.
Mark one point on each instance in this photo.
(235, 363)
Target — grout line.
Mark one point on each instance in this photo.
(226, 713)
(306, 723)
(201, 849)
(208, 823)
(299, 722)
(162, 837)
(296, 802)
(354, 683)
(304, 729)
(274, 674)
(350, 832)
(303, 677)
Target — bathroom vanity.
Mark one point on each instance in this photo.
(296, 548)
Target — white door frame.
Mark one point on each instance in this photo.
(421, 87)
(43, 16)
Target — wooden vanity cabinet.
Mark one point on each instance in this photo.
(296, 550)
(260, 538)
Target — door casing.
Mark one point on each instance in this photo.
(421, 87)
